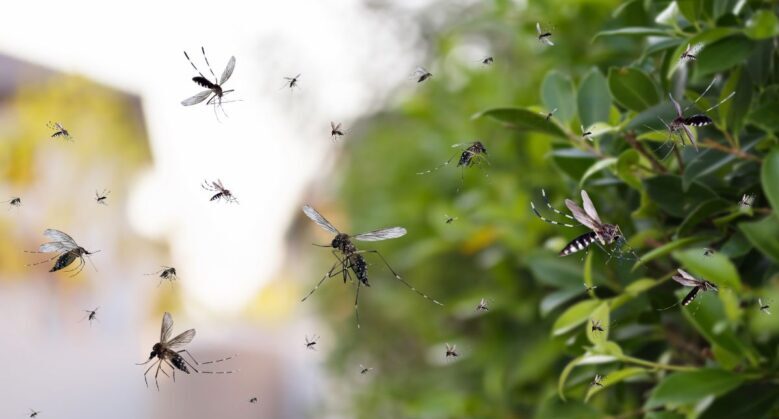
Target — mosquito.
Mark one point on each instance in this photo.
(14, 202)
(472, 155)
(167, 273)
(166, 353)
(482, 306)
(548, 115)
(603, 234)
(681, 124)
(708, 251)
(589, 289)
(597, 381)
(421, 74)
(596, 326)
(214, 88)
(91, 315)
(221, 192)
(451, 351)
(335, 131)
(487, 60)
(66, 251)
(101, 198)
(59, 131)
(691, 53)
(764, 307)
(450, 220)
(348, 257)
(254, 400)
(586, 133)
(688, 280)
(34, 413)
(545, 37)
(311, 343)
(364, 370)
(746, 201)
(291, 82)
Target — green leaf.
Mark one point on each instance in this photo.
(723, 55)
(594, 99)
(557, 93)
(666, 191)
(632, 31)
(555, 299)
(635, 288)
(702, 212)
(625, 168)
(600, 314)
(736, 109)
(716, 268)
(769, 177)
(764, 235)
(765, 114)
(574, 316)
(585, 359)
(762, 25)
(753, 401)
(704, 163)
(688, 388)
(524, 119)
(667, 249)
(613, 378)
(706, 38)
(632, 88)
(691, 9)
(597, 167)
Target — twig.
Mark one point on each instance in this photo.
(631, 139)
(679, 159)
(734, 151)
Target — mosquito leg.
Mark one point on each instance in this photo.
(147, 372)
(216, 80)
(329, 274)
(193, 65)
(156, 381)
(555, 210)
(399, 278)
(43, 261)
(356, 300)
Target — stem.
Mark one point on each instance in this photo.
(734, 151)
(656, 165)
(655, 365)
(679, 159)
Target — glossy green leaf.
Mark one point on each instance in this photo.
(716, 267)
(524, 119)
(555, 299)
(594, 99)
(753, 401)
(691, 9)
(765, 113)
(597, 167)
(576, 315)
(632, 88)
(666, 191)
(586, 359)
(769, 176)
(600, 314)
(688, 388)
(706, 38)
(557, 92)
(626, 171)
(764, 235)
(666, 249)
(723, 55)
(614, 378)
(762, 25)
(632, 31)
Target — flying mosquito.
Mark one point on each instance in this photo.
(482, 306)
(311, 343)
(421, 74)
(91, 315)
(59, 131)
(472, 155)
(746, 201)
(291, 82)
(596, 326)
(215, 90)
(586, 133)
(221, 192)
(14, 202)
(254, 400)
(166, 353)
(545, 37)
(351, 258)
(167, 273)
(101, 198)
(548, 115)
(450, 220)
(364, 370)
(335, 131)
(451, 351)
(688, 280)
(66, 251)
(589, 289)
(604, 234)
(34, 413)
(764, 307)
(691, 53)
(681, 124)
(708, 251)
(597, 381)
(487, 60)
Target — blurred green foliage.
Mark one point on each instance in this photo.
(534, 354)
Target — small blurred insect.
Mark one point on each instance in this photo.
(603, 234)
(451, 351)
(688, 280)
(214, 88)
(59, 131)
(34, 413)
(165, 353)
(421, 74)
(472, 155)
(292, 82)
(764, 307)
(335, 131)
(586, 133)
(311, 343)
(545, 37)
(221, 192)
(67, 251)
(482, 306)
(746, 201)
(596, 326)
(449, 220)
(167, 273)
(589, 289)
(254, 400)
(681, 125)
(487, 60)
(691, 53)
(708, 251)
(548, 115)
(14, 202)
(597, 381)
(364, 370)
(101, 198)
(351, 258)
(91, 315)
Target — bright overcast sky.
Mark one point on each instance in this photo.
(274, 141)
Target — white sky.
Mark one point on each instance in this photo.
(273, 144)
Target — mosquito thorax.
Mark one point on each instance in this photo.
(341, 242)
(608, 234)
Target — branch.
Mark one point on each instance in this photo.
(631, 139)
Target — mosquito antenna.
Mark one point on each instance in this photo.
(193, 65)
(208, 64)
(713, 81)
(722, 101)
(669, 307)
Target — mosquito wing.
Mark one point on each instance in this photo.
(196, 99)
(547, 41)
(383, 234)
(686, 279)
(538, 28)
(167, 327)
(581, 216)
(228, 71)
(56, 247)
(691, 136)
(319, 219)
(676, 105)
(589, 208)
(182, 339)
(694, 49)
(59, 236)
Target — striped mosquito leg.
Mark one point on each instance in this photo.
(580, 243)
(43, 261)
(538, 214)
(555, 210)
(446, 163)
(208, 64)
(399, 278)
(356, 300)
(329, 274)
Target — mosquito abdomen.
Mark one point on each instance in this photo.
(580, 243)
(64, 260)
(178, 362)
(698, 120)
